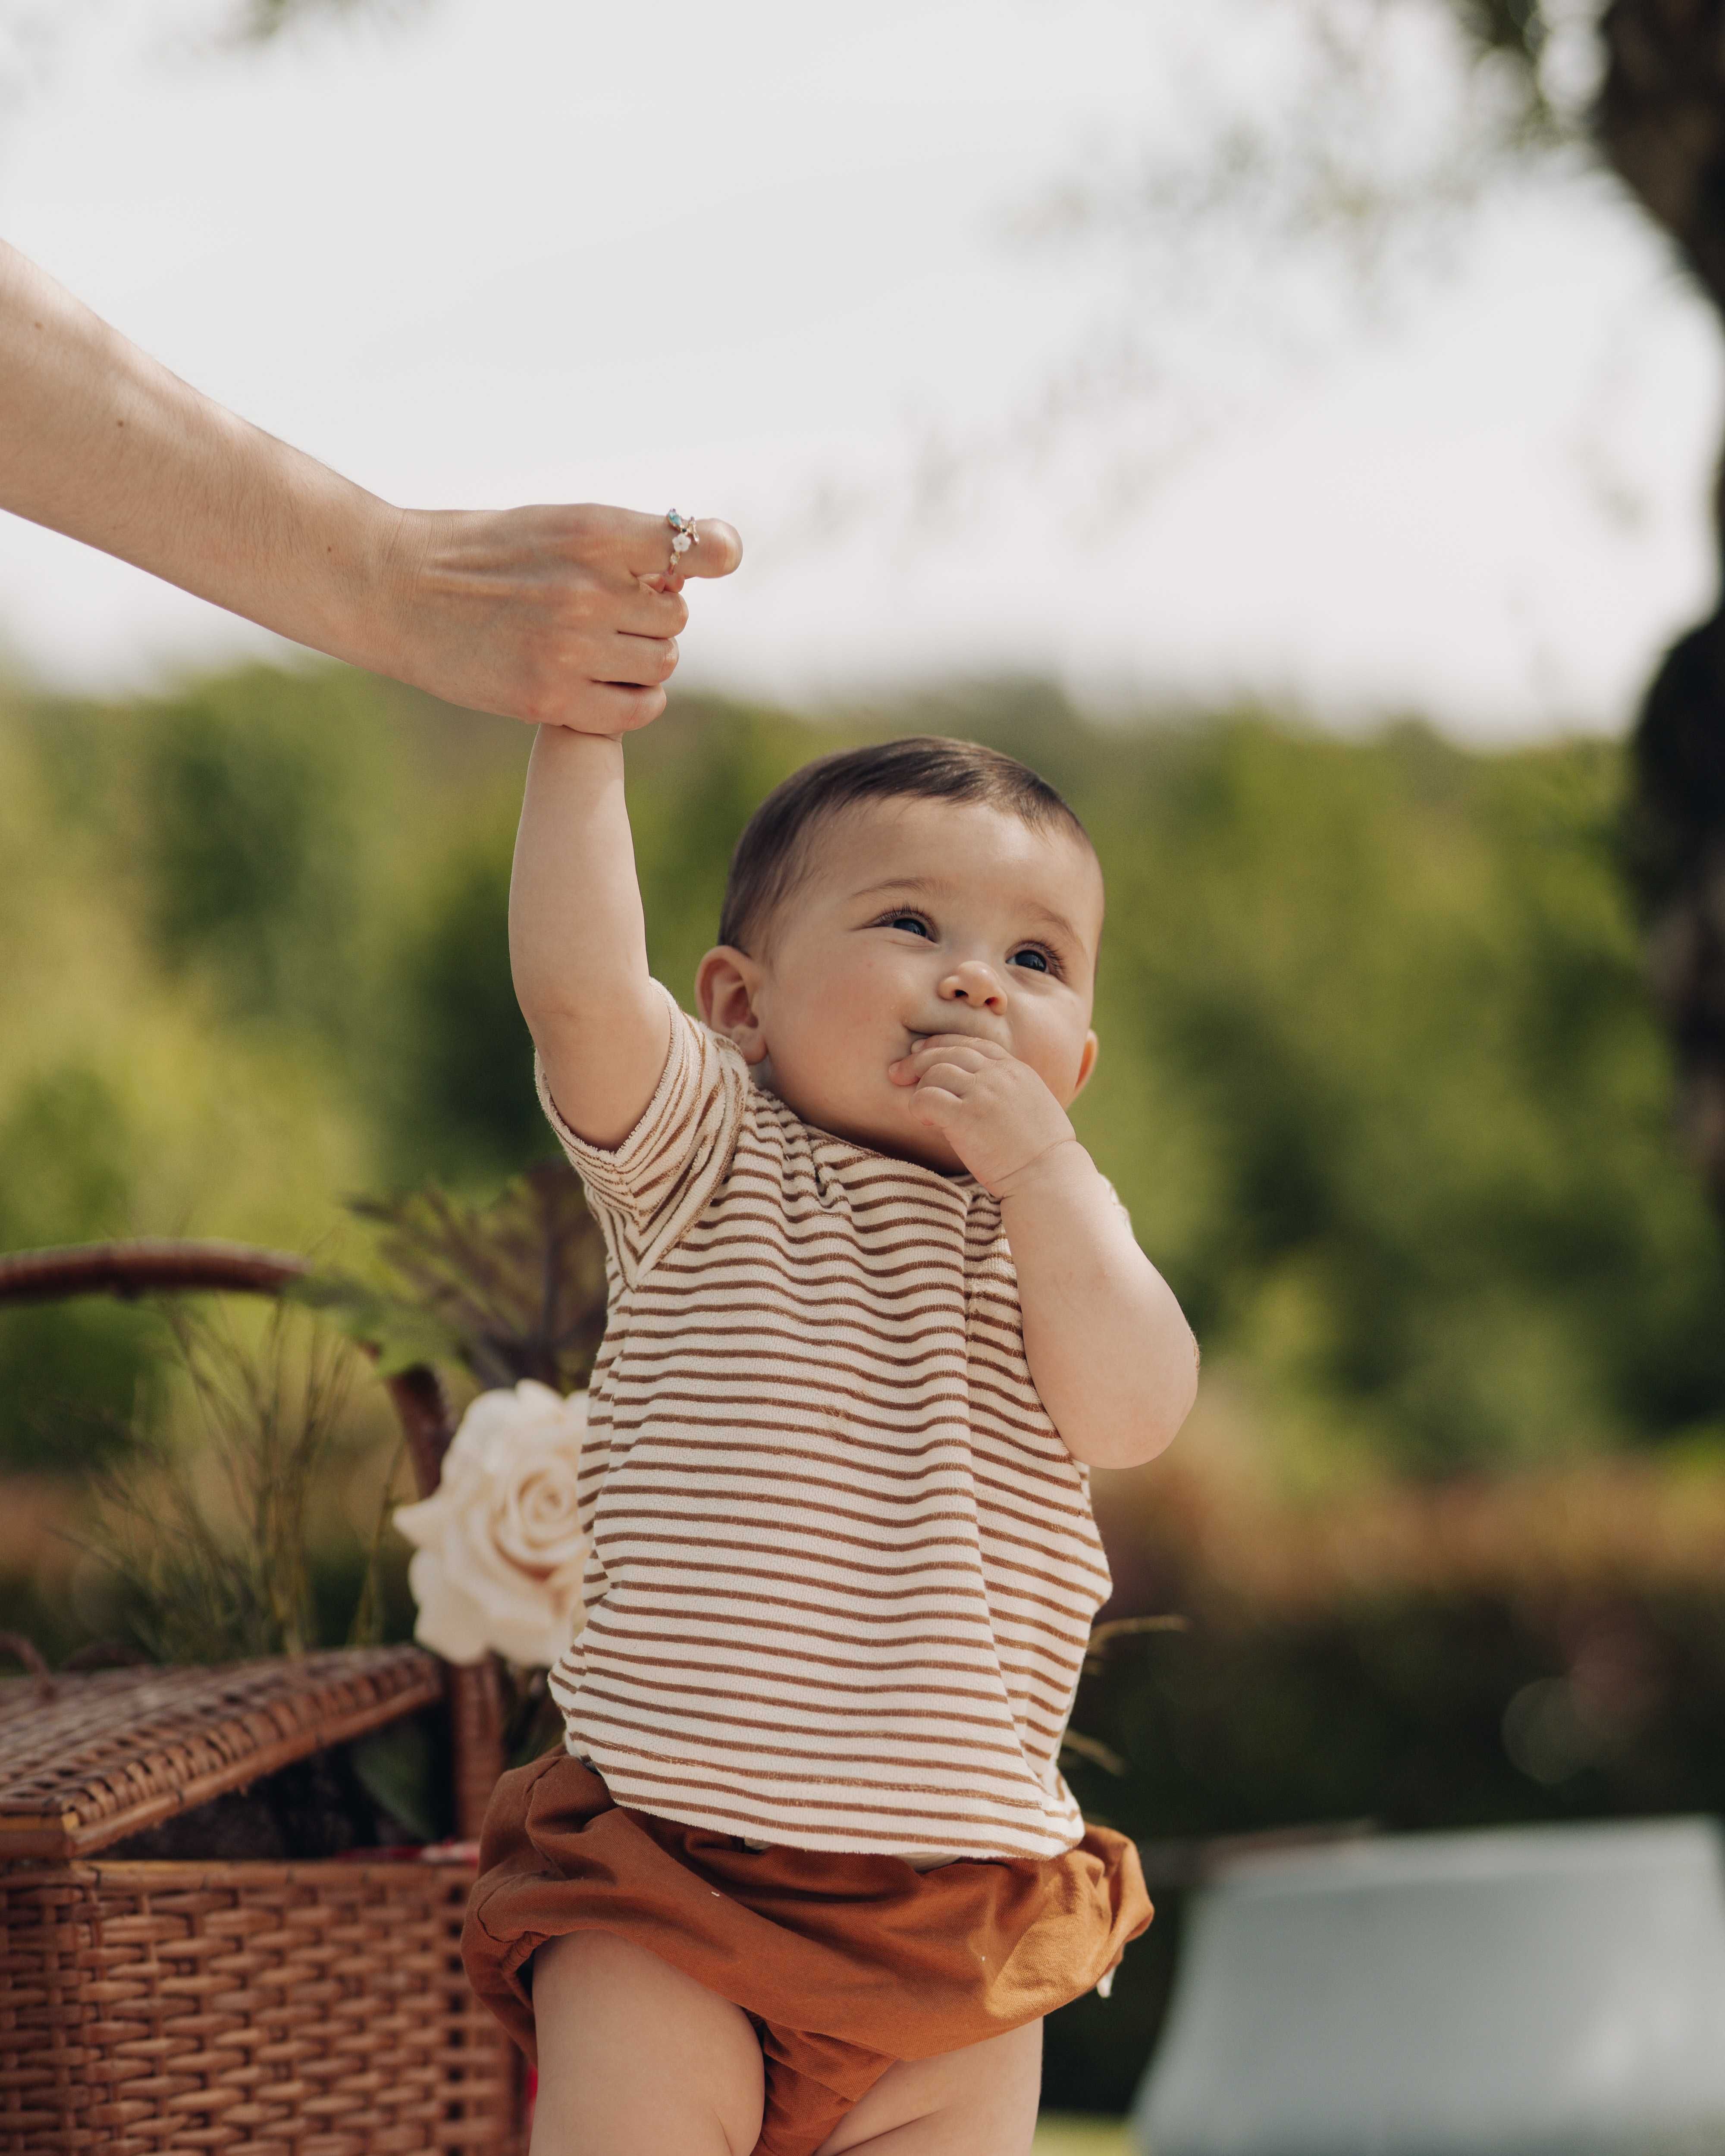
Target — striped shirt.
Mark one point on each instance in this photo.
(842, 1570)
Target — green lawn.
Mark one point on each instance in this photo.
(1068, 2134)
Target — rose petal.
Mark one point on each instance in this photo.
(500, 1555)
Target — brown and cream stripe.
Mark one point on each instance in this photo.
(842, 1570)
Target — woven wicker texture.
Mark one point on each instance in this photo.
(308, 2009)
(86, 1761)
(315, 2009)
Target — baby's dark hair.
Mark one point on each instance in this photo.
(773, 855)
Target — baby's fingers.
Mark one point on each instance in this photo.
(947, 1077)
(935, 1105)
(951, 1049)
(612, 708)
(965, 1045)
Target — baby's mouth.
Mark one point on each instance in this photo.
(955, 1032)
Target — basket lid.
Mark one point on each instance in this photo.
(86, 1760)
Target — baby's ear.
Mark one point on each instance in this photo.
(725, 984)
(1087, 1063)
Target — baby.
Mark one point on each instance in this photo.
(806, 1877)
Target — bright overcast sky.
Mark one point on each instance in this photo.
(739, 257)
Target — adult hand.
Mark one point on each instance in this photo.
(565, 616)
(537, 613)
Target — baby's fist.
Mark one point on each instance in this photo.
(994, 1112)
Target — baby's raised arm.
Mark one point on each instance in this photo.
(577, 943)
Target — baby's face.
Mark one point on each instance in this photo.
(917, 917)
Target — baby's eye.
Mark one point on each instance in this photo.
(912, 922)
(1030, 956)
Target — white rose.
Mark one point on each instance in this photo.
(498, 1556)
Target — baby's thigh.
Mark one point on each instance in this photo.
(978, 2102)
(637, 2059)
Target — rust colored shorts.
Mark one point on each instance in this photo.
(844, 1965)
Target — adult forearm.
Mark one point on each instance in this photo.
(98, 441)
(1112, 1357)
(565, 615)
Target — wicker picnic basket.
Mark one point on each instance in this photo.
(301, 2008)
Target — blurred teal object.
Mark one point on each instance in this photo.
(1539, 1991)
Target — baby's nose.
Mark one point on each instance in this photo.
(976, 984)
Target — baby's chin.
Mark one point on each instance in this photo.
(885, 1127)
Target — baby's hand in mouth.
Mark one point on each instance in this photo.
(994, 1112)
(905, 1071)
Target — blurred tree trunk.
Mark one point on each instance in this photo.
(1662, 123)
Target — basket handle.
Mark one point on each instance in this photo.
(20, 1647)
(130, 1270)
(134, 1269)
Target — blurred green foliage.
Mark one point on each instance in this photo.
(250, 842)
(467, 1103)
(1378, 1082)
(1386, 1098)
(69, 1378)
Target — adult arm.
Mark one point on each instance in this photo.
(527, 611)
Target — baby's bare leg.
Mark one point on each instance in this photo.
(978, 2102)
(637, 2059)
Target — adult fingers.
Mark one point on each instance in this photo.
(645, 660)
(645, 544)
(716, 552)
(641, 608)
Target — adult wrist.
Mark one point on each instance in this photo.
(372, 555)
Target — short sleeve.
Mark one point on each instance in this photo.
(647, 1192)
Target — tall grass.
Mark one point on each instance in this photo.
(208, 1538)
